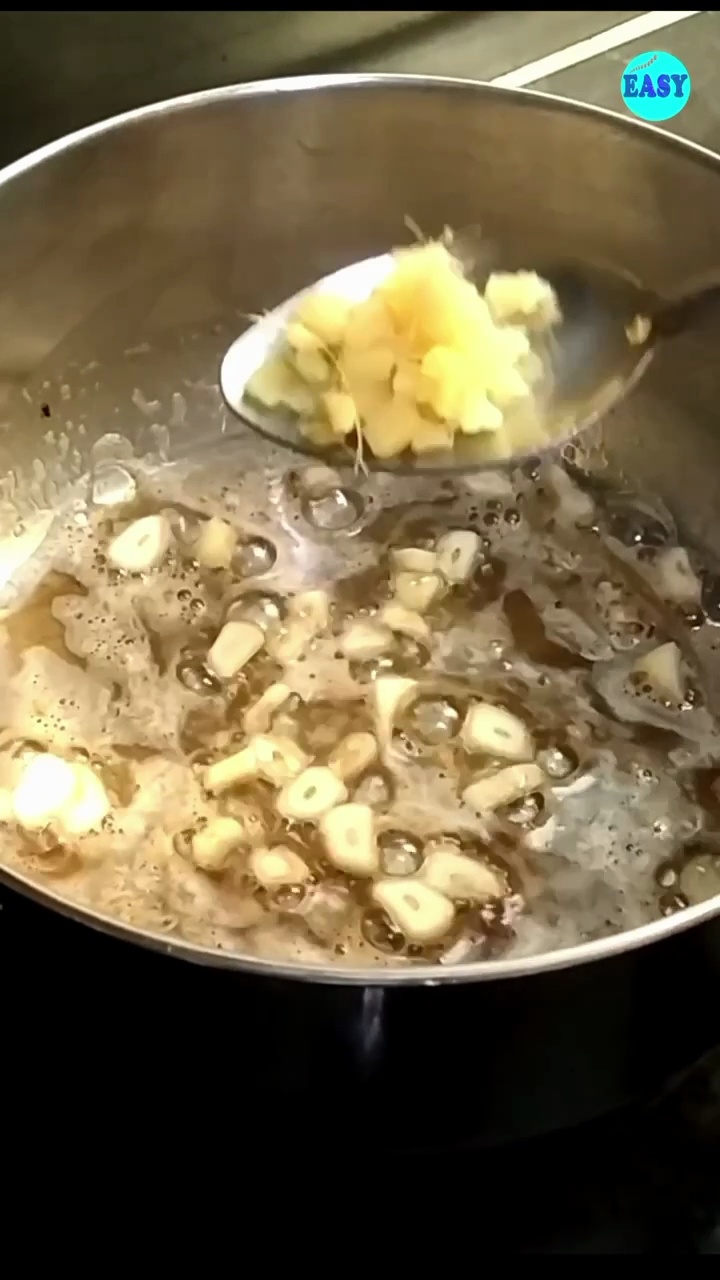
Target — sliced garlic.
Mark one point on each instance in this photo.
(404, 622)
(289, 642)
(278, 866)
(663, 669)
(236, 644)
(270, 756)
(215, 544)
(349, 837)
(496, 732)
(417, 591)
(459, 877)
(389, 695)
(142, 546)
(279, 758)
(365, 640)
(413, 559)
(352, 755)
(498, 789)
(420, 913)
(678, 582)
(46, 784)
(213, 846)
(258, 717)
(312, 608)
(699, 879)
(638, 330)
(87, 806)
(308, 616)
(234, 769)
(311, 795)
(457, 553)
(250, 818)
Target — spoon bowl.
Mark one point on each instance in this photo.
(592, 357)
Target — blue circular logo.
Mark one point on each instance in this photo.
(655, 86)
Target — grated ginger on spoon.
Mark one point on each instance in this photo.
(424, 357)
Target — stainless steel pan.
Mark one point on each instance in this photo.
(184, 216)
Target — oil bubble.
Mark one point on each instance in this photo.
(433, 720)
(400, 853)
(333, 510)
(254, 557)
(194, 675)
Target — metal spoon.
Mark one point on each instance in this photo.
(594, 356)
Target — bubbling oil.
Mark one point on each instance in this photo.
(565, 601)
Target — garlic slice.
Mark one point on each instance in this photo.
(142, 546)
(365, 640)
(213, 846)
(457, 553)
(498, 789)
(258, 717)
(53, 790)
(404, 622)
(349, 836)
(390, 694)
(457, 876)
(311, 794)
(676, 579)
(312, 608)
(352, 755)
(46, 785)
(236, 644)
(239, 767)
(308, 616)
(413, 560)
(215, 544)
(662, 667)
(420, 913)
(496, 732)
(278, 866)
(87, 806)
(289, 641)
(279, 758)
(417, 591)
(249, 817)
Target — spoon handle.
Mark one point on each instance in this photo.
(671, 318)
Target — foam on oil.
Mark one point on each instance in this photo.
(565, 595)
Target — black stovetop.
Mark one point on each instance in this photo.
(644, 1181)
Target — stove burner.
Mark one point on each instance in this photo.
(644, 1181)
